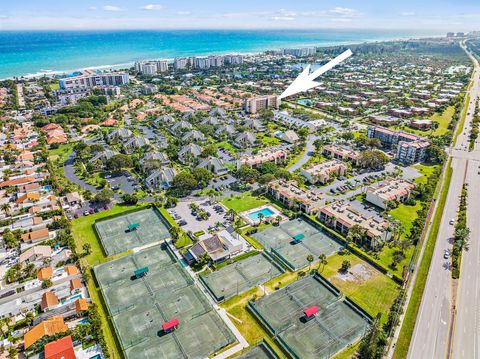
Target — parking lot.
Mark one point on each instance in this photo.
(190, 222)
(124, 182)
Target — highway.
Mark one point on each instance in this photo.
(431, 333)
(466, 334)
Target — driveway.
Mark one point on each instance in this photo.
(69, 171)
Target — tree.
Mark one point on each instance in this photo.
(174, 233)
(373, 142)
(322, 261)
(266, 178)
(310, 259)
(435, 154)
(231, 213)
(183, 184)
(6, 207)
(202, 175)
(47, 283)
(11, 241)
(373, 159)
(373, 343)
(278, 219)
(129, 199)
(261, 216)
(118, 162)
(345, 266)
(247, 174)
(356, 234)
(208, 151)
(104, 196)
(87, 249)
(397, 257)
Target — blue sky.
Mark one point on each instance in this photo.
(455, 15)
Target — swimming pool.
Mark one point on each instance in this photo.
(279, 133)
(71, 299)
(267, 212)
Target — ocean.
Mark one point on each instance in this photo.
(29, 53)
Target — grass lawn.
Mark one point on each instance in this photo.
(83, 232)
(270, 141)
(227, 146)
(443, 120)
(61, 153)
(426, 170)
(406, 332)
(406, 214)
(375, 294)
(243, 202)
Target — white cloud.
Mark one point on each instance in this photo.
(183, 13)
(152, 7)
(112, 8)
(407, 13)
(283, 18)
(3, 17)
(343, 12)
(92, 8)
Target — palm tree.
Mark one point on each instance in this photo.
(261, 216)
(310, 260)
(322, 261)
(6, 208)
(278, 219)
(231, 212)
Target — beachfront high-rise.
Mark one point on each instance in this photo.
(90, 79)
(151, 68)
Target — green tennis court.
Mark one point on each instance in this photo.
(139, 306)
(295, 240)
(337, 324)
(131, 230)
(238, 277)
(260, 351)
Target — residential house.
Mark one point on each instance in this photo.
(214, 165)
(245, 139)
(189, 152)
(36, 254)
(35, 236)
(48, 327)
(160, 178)
(295, 197)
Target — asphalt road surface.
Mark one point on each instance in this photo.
(431, 334)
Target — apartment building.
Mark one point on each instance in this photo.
(410, 148)
(341, 216)
(253, 105)
(323, 171)
(274, 154)
(181, 63)
(341, 153)
(90, 79)
(151, 68)
(294, 196)
(388, 191)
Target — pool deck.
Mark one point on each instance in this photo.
(246, 214)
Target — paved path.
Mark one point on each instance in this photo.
(309, 148)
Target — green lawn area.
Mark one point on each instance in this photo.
(83, 232)
(374, 293)
(61, 153)
(227, 146)
(269, 141)
(55, 86)
(243, 202)
(406, 214)
(426, 170)
(443, 120)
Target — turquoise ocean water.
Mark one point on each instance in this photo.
(26, 53)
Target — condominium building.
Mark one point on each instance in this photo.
(341, 153)
(294, 196)
(233, 59)
(323, 171)
(388, 191)
(341, 216)
(274, 154)
(201, 63)
(181, 63)
(89, 79)
(151, 68)
(410, 148)
(216, 61)
(302, 52)
(253, 105)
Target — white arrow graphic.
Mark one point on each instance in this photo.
(305, 81)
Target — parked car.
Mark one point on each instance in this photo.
(86, 213)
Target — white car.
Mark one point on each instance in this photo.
(446, 253)
(452, 221)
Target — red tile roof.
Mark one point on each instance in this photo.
(311, 311)
(60, 349)
(171, 324)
